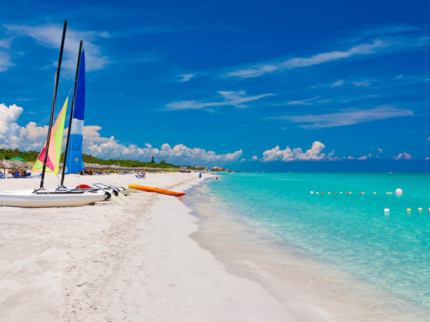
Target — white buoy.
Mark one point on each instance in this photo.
(399, 192)
(386, 210)
(312, 192)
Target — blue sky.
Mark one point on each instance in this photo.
(239, 84)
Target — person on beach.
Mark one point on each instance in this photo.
(200, 175)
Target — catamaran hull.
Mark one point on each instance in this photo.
(29, 199)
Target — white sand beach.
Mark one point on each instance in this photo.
(110, 262)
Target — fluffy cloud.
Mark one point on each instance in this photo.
(380, 150)
(254, 158)
(32, 137)
(297, 154)
(347, 116)
(236, 99)
(403, 155)
(428, 158)
(13, 136)
(113, 149)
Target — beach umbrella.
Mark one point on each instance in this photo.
(18, 159)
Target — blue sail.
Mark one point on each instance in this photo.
(74, 162)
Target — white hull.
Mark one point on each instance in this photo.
(49, 198)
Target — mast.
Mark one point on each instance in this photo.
(57, 77)
(71, 115)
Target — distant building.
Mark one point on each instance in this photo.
(200, 167)
(184, 170)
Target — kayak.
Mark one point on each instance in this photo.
(157, 190)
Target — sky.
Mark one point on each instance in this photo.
(303, 85)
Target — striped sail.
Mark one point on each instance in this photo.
(74, 162)
(55, 144)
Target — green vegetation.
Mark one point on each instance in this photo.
(10, 154)
(32, 156)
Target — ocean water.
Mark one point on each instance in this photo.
(347, 232)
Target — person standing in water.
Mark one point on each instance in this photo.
(200, 175)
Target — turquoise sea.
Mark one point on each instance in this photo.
(348, 231)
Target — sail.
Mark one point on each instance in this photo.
(56, 142)
(74, 162)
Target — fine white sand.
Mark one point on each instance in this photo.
(111, 262)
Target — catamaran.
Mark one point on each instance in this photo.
(49, 157)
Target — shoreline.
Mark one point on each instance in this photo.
(111, 262)
(312, 289)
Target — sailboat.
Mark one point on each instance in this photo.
(49, 160)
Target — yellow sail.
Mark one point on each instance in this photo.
(55, 144)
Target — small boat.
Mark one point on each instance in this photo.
(48, 160)
(51, 198)
(157, 190)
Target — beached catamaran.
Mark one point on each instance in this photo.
(49, 157)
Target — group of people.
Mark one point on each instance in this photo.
(141, 175)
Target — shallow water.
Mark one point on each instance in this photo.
(341, 243)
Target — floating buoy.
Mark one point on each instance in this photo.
(374, 193)
(386, 210)
(322, 192)
(399, 191)
(420, 209)
(312, 192)
(340, 192)
(334, 192)
(409, 209)
(317, 193)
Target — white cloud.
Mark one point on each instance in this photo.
(338, 83)
(5, 61)
(351, 158)
(13, 136)
(403, 155)
(365, 157)
(365, 83)
(179, 153)
(50, 36)
(236, 99)
(302, 102)
(348, 116)
(32, 137)
(380, 150)
(428, 158)
(261, 69)
(186, 77)
(254, 158)
(428, 139)
(297, 154)
(382, 30)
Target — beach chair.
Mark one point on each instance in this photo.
(2, 176)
